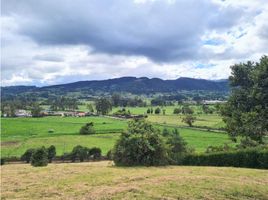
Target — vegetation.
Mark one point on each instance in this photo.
(189, 119)
(103, 106)
(246, 111)
(253, 158)
(51, 153)
(20, 134)
(27, 155)
(39, 157)
(87, 129)
(142, 144)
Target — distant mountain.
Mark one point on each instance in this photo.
(144, 85)
(133, 85)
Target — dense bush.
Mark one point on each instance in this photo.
(87, 129)
(2, 162)
(176, 111)
(123, 112)
(186, 110)
(27, 155)
(252, 158)
(83, 153)
(39, 157)
(95, 153)
(80, 153)
(109, 155)
(224, 148)
(157, 111)
(140, 145)
(51, 151)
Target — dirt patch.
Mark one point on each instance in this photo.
(9, 143)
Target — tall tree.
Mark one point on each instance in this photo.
(36, 110)
(103, 106)
(246, 112)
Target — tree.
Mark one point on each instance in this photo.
(87, 129)
(51, 151)
(157, 111)
(27, 155)
(177, 146)
(246, 111)
(189, 119)
(176, 111)
(36, 110)
(165, 132)
(103, 106)
(140, 145)
(90, 108)
(148, 111)
(187, 110)
(116, 99)
(206, 109)
(39, 157)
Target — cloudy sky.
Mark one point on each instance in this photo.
(46, 42)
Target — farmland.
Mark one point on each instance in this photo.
(19, 134)
(102, 180)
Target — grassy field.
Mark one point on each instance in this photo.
(19, 134)
(211, 121)
(102, 180)
(205, 120)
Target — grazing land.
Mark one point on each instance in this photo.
(19, 134)
(102, 180)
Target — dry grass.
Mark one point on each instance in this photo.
(102, 180)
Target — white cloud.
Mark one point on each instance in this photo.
(47, 44)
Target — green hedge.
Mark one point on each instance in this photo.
(251, 158)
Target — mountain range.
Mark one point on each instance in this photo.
(142, 85)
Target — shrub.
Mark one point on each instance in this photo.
(177, 147)
(157, 111)
(39, 157)
(252, 158)
(187, 110)
(2, 162)
(140, 145)
(148, 111)
(109, 155)
(176, 111)
(80, 153)
(87, 129)
(95, 153)
(165, 132)
(27, 155)
(51, 153)
(212, 149)
(51, 131)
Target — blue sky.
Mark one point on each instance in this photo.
(49, 42)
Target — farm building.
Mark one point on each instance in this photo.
(22, 113)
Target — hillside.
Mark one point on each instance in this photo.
(125, 84)
(101, 180)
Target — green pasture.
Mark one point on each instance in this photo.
(211, 121)
(19, 134)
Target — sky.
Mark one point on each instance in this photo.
(46, 42)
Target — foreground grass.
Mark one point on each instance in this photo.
(102, 180)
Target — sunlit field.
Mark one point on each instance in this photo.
(19, 134)
(102, 180)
